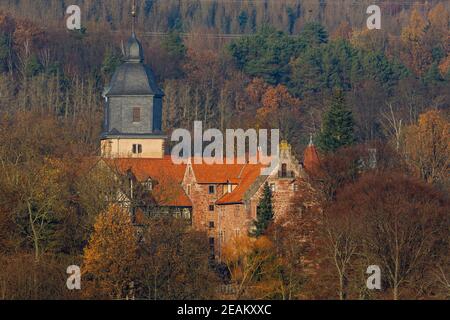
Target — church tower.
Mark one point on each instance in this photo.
(133, 108)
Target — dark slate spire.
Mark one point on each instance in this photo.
(133, 50)
(133, 78)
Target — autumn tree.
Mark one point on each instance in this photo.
(438, 31)
(415, 53)
(404, 224)
(343, 31)
(295, 239)
(341, 244)
(248, 260)
(109, 263)
(174, 262)
(427, 146)
(280, 110)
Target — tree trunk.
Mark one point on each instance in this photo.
(33, 230)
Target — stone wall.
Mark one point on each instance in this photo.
(120, 115)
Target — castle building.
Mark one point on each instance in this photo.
(219, 199)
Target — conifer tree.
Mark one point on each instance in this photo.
(337, 126)
(264, 214)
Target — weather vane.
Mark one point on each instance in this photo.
(133, 14)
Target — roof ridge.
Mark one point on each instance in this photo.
(242, 170)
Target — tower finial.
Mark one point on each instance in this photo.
(311, 143)
(133, 15)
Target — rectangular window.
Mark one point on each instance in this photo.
(284, 170)
(211, 224)
(211, 246)
(136, 114)
(188, 190)
(212, 190)
(211, 207)
(137, 148)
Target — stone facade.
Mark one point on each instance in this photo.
(120, 115)
(223, 221)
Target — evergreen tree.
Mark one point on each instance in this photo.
(110, 62)
(4, 51)
(337, 126)
(33, 66)
(266, 54)
(174, 45)
(264, 213)
(314, 34)
(243, 20)
(433, 76)
(176, 53)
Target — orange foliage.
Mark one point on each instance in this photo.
(110, 257)
(28, 36)
(245, 258)
(415, 54)
(343, 31)
(439, 19)
(444, 67)
(276, 101)
(256, 89)
(427, 146)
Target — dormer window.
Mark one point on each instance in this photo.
(137, 148)
(136, 114)
(148, 185)
(188, 189)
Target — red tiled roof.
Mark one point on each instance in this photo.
(248, 176)
(169, 177)
(218, 173)
(168, 190)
